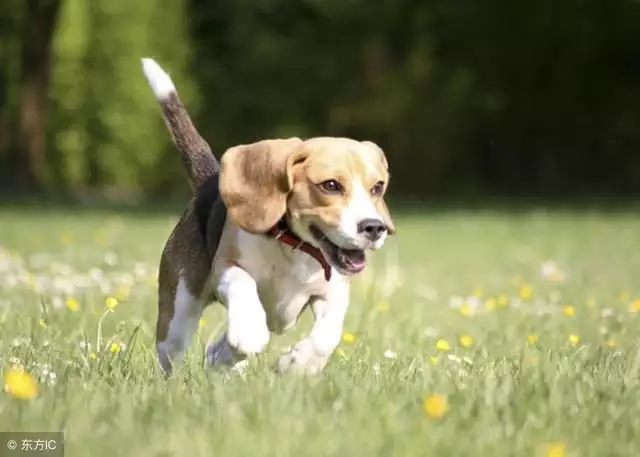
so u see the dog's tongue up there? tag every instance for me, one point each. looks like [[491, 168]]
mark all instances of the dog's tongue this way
[[353, 257]]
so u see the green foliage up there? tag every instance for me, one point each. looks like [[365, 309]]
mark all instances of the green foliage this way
[[107, 127]]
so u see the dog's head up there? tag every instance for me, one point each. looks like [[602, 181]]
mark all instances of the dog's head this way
[[330, 189]]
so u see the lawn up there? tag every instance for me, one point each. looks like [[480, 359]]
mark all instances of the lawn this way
[[473, 333]]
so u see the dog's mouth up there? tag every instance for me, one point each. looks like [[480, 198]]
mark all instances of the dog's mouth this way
[[349, 261]]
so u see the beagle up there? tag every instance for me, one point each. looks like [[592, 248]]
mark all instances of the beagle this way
[[276, 226]]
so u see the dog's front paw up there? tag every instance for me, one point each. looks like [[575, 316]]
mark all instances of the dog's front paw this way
[[248, 336], [302, 359]]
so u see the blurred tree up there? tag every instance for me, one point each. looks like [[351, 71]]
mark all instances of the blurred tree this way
[[39, 21]]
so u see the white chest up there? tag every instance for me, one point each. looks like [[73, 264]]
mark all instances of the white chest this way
[[286, 279]]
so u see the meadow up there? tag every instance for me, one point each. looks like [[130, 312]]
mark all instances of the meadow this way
[[472, 333]]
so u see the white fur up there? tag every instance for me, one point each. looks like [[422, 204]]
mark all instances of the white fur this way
[[159, 80], [360, 207], [247, 329], [266, 292], [186, 315]]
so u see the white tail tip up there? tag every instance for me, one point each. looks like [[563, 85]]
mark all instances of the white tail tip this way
[[159, 80]]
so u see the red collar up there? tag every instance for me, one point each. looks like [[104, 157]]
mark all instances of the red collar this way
[[283, 233]]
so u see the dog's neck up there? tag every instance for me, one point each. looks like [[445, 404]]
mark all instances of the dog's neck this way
[[282, 232]]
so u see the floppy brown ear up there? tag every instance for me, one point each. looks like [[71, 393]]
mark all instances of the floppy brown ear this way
[[255, 181], [381, 206]]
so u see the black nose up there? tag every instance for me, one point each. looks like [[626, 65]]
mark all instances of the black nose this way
[[372, 228]]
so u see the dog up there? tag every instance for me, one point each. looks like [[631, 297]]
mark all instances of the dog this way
[[273, 228]]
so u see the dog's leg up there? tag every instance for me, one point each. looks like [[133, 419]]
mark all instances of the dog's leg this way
[[178, 329], [311, 354], [247, 332]]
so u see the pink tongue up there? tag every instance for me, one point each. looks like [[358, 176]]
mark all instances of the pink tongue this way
[[355, 258]]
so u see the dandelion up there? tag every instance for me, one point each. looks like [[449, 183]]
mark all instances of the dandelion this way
[[532, 339], [556, 450], [111, 303], [503, 300], [43, 324], [574, 339], [93, 356], [490, 304], [612, 343], [114, 348], [443, 345], [20, 384], [634, 306], [348, 338], [433, 360], [466, 310], [569, 310], [525, 292], [435, 405], [72, 304], [466, 341]]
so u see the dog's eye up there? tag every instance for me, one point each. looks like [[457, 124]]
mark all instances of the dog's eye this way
[[331, 186], [377, 189]]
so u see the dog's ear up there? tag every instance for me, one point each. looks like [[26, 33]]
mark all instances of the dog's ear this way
[[380, 205], [255, 181]]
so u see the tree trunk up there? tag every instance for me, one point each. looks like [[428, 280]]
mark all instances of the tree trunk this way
[[5, 131], [38, 28]]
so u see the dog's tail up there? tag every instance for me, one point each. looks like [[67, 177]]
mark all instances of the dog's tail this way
[[197, 156]]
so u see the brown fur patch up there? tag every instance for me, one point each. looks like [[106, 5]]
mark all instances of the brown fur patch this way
[[184, 256]]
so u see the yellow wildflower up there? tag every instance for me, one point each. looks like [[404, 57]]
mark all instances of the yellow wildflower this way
[[348, 338], [466, 341], [490, 304], [569, 310], [72, 304], [503, 300], [556, 450], [532, 339], [111, 302], [525, 291], [20, 384], [466, 310], [114, 348], [634, 306], [43, 324], [93, 356], [433, 360], [443, 345], [611, 343], [574, 339], [435, 405]]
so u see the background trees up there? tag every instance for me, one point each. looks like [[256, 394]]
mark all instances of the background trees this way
[[494, 97]]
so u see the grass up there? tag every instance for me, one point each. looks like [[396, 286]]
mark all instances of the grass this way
[[478, 333]]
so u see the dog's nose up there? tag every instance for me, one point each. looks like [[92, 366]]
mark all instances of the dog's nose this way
[[372, 228]]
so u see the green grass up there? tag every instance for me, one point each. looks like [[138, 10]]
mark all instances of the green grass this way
[[506, 396]]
